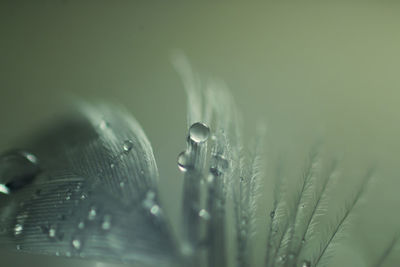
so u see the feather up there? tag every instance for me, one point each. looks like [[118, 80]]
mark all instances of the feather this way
[[88, 188], [95, 195]]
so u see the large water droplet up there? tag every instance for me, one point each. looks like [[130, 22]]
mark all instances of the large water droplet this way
[[127, 146], [17, 168], [183, 161], [199, 132]]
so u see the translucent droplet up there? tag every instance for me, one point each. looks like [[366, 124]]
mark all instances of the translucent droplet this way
[[92, 214], [272, 214], [199, 132], [103, 125], [112, 165], [30, 157], [52, 232], [81, 225], [183, 161], [219, 165], [76, 243], [4, 189], [121, 184], [18, 247], [128, 145], [106, 225], [204, 214], [18, 229], [155, 209], [306, 264], [18, 168]]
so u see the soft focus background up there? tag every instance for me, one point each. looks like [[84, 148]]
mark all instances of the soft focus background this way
[[306, 70]]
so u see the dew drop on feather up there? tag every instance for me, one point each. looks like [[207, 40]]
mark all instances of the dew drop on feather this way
[[199, 132], [183, 161], [127, 146]]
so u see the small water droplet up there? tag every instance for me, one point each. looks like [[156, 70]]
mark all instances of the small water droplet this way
[[272, 214], [52, 232], [83, 196], [18, 229], [128, 145], [103, 125], [4, 189], [121, 184], [92, 214], [306, 264], [219, 164], [18, 247], [18, 168], [199, 132], [57, 253], [81, 225], [155, 209], [112, 165], [205, 215], [76, 243], [106, 225], [183, 161]]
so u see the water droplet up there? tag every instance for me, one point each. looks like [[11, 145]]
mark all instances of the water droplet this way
[[121, 184], [76, 243], [83, 196], [18, 247], [4, 189], [155, 209], [112, 165], [183, 161], [199, 132], [81, 225], [92, 214], [30, 157], [219, 164], [106, 225], [103, 125], [52, 232], [18, 229], [272, 214], [128, 145], [17, 169], [306, 264], [204, 214]]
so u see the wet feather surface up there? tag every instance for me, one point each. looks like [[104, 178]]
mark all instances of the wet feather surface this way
[[88, 188]]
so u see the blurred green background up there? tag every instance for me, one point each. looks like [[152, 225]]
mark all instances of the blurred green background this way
[[306, 70]]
